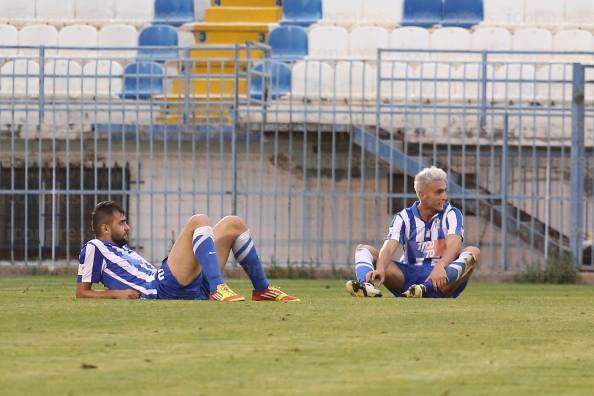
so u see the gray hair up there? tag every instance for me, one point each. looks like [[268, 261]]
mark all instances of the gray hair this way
[[426, 176]]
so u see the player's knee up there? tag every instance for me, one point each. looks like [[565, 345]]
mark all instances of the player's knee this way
[[476, 252], [374, 252], [234, 223], [198, 220]]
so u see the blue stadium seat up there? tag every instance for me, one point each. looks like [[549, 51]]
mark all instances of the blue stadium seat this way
[[174, 12], [301, 12], [462, 13], [143, 80], [157, 36], [280, 81], [424, 13], [288, 42]]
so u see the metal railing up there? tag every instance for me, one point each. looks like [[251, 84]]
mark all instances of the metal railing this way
[[314, 168]]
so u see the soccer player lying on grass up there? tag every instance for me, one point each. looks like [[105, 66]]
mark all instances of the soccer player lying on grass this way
[[431, 234], [191, 272]]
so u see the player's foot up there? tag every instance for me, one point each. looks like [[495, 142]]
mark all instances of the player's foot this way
[[224, 293], [415, 291], [273, 294], [362, 289]]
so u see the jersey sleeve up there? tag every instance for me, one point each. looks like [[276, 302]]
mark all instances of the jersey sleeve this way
[[90, 264], [454, 223], [396, 229]]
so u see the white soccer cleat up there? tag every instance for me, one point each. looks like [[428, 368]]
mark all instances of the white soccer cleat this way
[[362, 289], [415, 291]]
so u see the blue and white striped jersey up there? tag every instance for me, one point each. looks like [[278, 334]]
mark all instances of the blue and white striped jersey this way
[[117, 268], [424, 243]]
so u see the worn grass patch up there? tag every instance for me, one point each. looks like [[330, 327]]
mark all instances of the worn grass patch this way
[[495, 339]]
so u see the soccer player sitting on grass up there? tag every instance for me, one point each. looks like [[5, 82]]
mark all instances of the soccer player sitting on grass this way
[[431, 234], [191, 272]]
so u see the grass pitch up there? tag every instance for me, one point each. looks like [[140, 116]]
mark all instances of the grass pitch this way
[[495, 339]]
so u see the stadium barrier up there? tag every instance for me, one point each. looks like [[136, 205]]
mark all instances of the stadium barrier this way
[[317, 155]]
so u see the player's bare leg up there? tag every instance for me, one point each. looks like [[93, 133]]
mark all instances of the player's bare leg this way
[[193, 252], [182, 261]]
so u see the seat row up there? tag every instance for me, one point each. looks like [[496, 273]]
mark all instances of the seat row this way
[[362, 42], [98, 12], [427, 82], [86, 36], [68, 79], [426, 13]]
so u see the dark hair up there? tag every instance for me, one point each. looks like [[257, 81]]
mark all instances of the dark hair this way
[[103, 212]]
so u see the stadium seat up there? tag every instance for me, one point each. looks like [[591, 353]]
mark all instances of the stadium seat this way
[[579, 13], [355, 81], [280, 81], [424, 13], [468, 87], [543, 13], [396, 82], [514, 83], [504, 13], [94, 11], [450, 38], [462, 13], [77, 36], [382, 12], [20, 78], [174, 12], [157, 36], [491, 38], [9, 36], [328, 42], [312, 80], [117, 36], [342, 12], [142, 80], [134, 12], [288, 42], [365, 40], [532, 39], [17, 12], [37, 35], [55, 12], [409, 38], [186, 39], [574, 41], [301, 12], [63, 78], [102, 79]]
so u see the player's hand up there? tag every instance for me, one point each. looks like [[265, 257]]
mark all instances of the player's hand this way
[[438, 277], [376, 274], [126, 294]]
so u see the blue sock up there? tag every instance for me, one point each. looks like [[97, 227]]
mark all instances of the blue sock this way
[[206, 253], [363, 263], [247, 256]]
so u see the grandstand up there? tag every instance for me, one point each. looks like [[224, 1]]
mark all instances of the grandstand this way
[[293, 113]]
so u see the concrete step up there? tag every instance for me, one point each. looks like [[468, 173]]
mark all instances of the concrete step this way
[[243, 14]]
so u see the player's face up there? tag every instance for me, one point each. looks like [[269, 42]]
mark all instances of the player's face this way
[[435, 195], [119, 229]]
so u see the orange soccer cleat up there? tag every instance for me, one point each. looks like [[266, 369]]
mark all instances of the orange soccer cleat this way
[[273, 294], [224, 293]]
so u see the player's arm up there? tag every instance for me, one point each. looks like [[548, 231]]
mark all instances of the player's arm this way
[[85, 290], [384, 260], [452, 251]]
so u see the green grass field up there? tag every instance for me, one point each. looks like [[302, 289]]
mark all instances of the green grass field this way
[[496, 339]]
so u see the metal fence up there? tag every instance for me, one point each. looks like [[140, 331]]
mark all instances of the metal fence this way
[[316, 160]]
